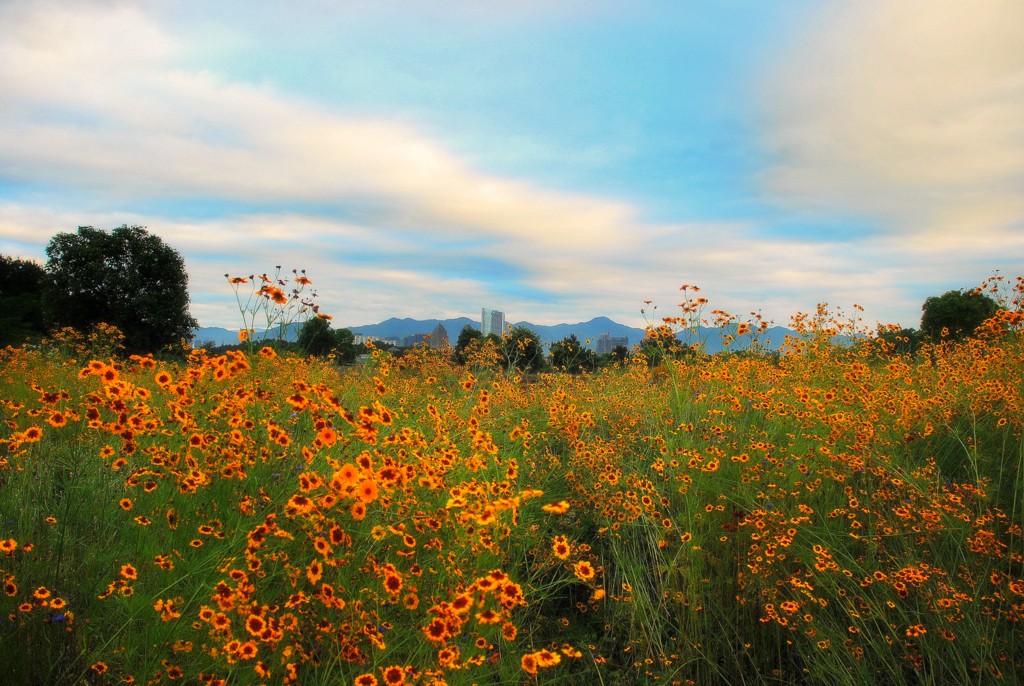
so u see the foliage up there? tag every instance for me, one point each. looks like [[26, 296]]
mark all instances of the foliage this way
[[345, 350], [467, 336], [570, 355], [128, 278], [316, 337], [956, 314], [521, 350], [21, 312], [891, 341], [827, 517]]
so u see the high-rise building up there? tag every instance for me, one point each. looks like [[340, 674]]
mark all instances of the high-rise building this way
[[438, 337], [607, 343], [492, 321]]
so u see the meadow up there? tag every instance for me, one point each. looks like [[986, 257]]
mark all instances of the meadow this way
[[833, 514]]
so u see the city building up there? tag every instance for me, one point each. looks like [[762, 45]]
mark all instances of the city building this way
[[414, 340], [379, 341], [438, 337], [607, 343], [492, 321]]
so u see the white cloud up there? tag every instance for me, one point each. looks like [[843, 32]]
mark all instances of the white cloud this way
[[98, 99], [911, 112], [102, 104]]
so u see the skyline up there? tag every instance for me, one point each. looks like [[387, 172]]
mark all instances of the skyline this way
[[559, 163]]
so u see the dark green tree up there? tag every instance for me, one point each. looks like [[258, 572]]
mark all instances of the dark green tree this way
[[661, 342], [466, 337], [345, 346], [521, 349], [128, 278], [956, 314], [316, 338], [570, 355], [898, 342], [21, 292]]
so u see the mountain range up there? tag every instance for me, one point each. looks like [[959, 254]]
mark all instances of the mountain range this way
[[586, 332]]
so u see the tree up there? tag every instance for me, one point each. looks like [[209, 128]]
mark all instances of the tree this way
[[521, 349], [345, 346], [317, 338], [21, 290], [661, 342], [466, 337], [956, 314], [128, 278], [570, 355], [898, 342]]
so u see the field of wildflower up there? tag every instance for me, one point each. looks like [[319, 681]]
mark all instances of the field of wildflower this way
[[832, 514]]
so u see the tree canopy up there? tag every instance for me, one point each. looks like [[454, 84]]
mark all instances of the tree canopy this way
[[317, 338], [21, 288], [569, 354], [128, 278], [521, 349], [956, 314]]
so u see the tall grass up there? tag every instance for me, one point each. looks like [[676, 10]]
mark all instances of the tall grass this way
[[834, 515]]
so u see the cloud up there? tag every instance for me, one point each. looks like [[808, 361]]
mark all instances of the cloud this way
[[103, 104], [908, 112], [105, 116]]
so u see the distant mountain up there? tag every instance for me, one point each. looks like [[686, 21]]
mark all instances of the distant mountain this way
[[400, 328], [215, 335], [586, 332]]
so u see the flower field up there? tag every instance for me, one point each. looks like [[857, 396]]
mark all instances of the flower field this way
[[834, 514]]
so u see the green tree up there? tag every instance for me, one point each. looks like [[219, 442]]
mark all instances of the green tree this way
[[569, 354], [21, 291], [956, 314], [898, 342], [466, 337], [316, 338], [661, 342], [345, 346], [128, 278], [521, 349]]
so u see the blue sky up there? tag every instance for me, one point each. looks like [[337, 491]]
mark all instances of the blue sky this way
[[555, 160]]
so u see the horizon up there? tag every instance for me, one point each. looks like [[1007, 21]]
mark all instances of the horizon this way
[[562, 160]]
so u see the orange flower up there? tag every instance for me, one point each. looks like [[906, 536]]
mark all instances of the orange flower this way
[[358, 512], [367, 491], [561, 507], [393, 583], [247, 650], [314, 572], [584, 570], [437, 630], [394, 675], [560, 547], [327, 435]]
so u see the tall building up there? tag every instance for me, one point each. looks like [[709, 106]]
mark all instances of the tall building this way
[[438, 337], [607, 343], [492, 321]]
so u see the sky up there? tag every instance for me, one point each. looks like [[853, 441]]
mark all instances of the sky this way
[[557, 161]]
